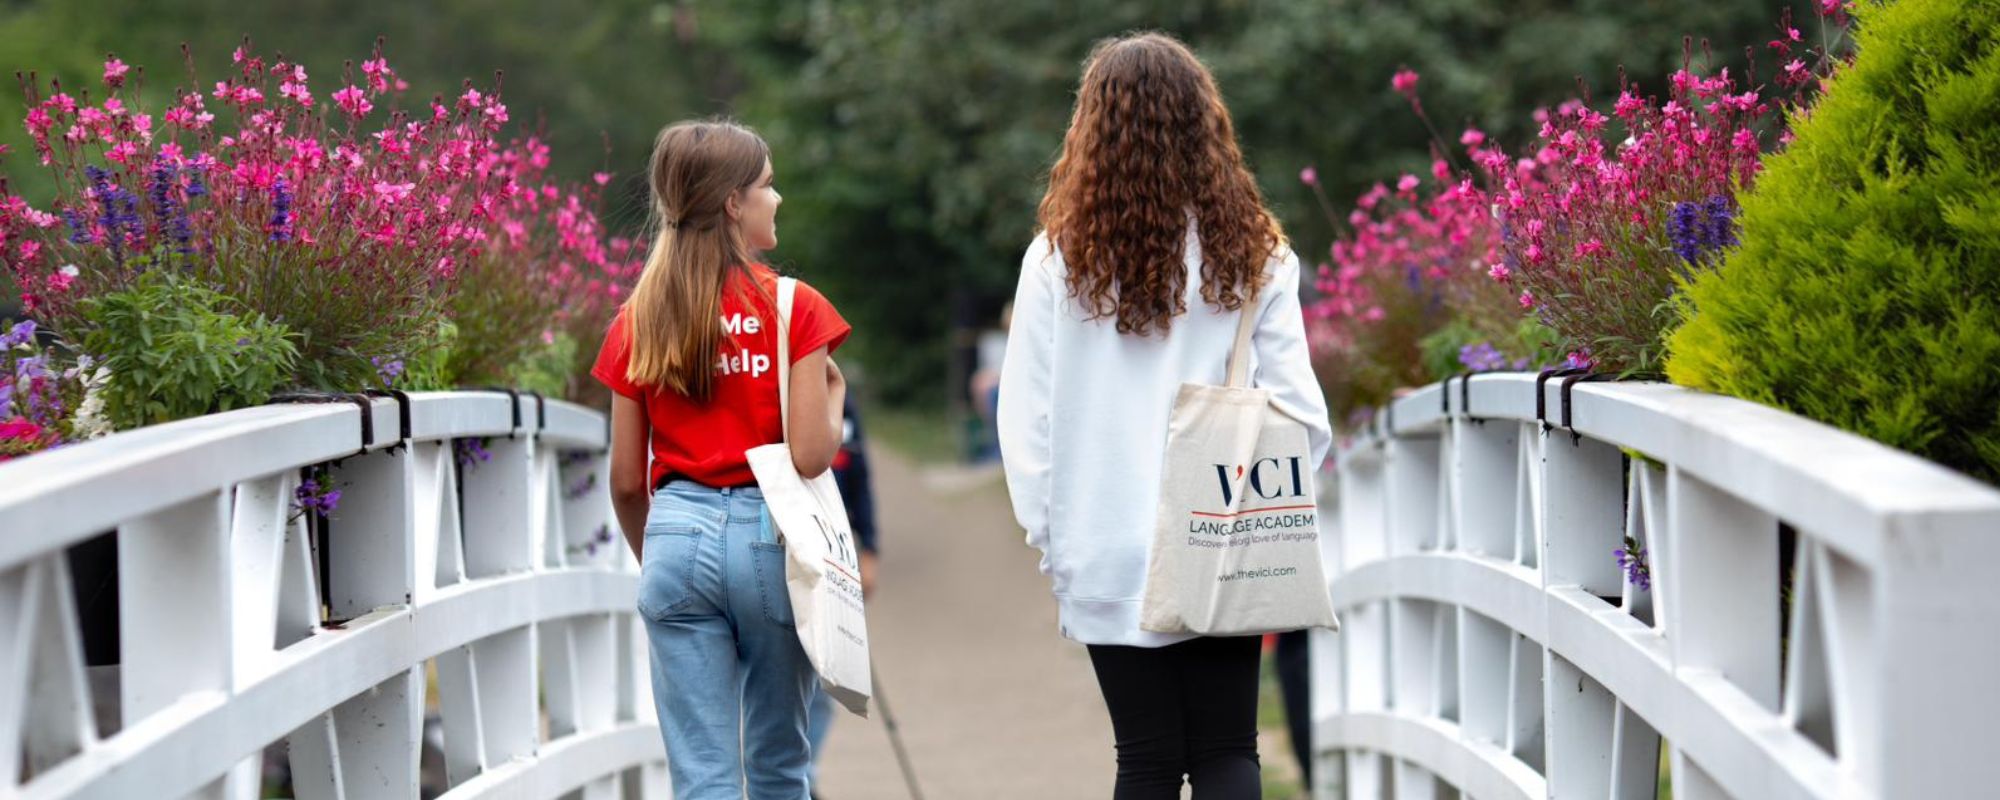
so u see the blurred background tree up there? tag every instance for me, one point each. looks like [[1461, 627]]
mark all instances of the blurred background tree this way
[[911, 137]]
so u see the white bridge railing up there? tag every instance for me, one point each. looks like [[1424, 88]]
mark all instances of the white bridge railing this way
[[1820, 621], [469, 629]]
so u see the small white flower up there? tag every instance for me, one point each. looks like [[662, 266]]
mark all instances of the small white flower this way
[[69, 270]]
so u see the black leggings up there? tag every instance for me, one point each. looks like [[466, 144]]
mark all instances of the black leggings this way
[[1186, 709]]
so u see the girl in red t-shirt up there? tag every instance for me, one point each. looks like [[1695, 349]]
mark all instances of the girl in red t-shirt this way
[[690, 358]]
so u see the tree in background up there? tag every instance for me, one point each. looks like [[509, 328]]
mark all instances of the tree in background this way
[[912, 137]]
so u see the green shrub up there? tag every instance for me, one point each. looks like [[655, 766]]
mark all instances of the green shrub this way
[[177, 349], [548, 368], [1866, 292]]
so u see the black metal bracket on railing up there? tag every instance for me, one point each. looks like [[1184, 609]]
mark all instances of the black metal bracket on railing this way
[[1542, 394], [366, 405], [541, 413], [514, 404], [402, 416], [1570, 381], [1464, 395]]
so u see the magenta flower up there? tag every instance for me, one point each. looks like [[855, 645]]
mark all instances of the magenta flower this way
[[353, 101], [1407, 183], [1405, 83], [1527, 298], [114, 73], [1472, 137], [1309, 176]]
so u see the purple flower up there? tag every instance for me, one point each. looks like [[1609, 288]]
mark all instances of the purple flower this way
[[1684, 231], [315, 495], [281, 211], [582, 487], [1699, 232], [1632, 559], [22, 333], [1721, 233], [470, 451], [387, 370], [1481, 357]]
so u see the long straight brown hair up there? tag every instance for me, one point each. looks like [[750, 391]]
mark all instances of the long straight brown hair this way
[[1150, 145], [676, 310]]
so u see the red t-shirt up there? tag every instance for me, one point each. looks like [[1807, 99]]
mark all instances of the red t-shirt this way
[[704, 443]]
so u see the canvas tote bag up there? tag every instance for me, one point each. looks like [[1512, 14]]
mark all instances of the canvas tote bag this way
[[1236, 543], [822, 566]]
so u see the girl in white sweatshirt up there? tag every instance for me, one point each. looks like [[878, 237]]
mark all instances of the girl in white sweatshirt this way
[[1154, 239]]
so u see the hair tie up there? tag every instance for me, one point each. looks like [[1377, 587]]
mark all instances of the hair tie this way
[[674, 224]]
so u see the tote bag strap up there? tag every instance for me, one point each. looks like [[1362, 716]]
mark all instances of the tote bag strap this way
[[1239, 353], [787, 288]]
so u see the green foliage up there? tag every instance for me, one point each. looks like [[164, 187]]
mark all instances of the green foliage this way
[[429, 369], [1866, 292], [177, 349], [550, 369], [494, 302]]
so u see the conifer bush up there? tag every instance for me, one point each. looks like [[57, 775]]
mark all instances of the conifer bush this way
[[1865, 292]]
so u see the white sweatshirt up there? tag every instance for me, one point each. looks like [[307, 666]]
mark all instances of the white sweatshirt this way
[[1083, 426]]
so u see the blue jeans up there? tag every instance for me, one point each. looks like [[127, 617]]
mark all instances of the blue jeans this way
[[730, 679], [819, 720]]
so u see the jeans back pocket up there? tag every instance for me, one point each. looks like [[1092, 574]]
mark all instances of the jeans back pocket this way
[[666, 574], [769, 559]]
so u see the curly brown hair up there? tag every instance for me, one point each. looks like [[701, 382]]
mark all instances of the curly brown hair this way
[[1150, 146]]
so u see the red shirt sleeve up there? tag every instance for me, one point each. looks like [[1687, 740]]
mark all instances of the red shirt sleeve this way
[[815, 323], [613, 357]]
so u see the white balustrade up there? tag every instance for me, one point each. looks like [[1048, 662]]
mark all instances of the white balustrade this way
[[483, 597], [1820, 620]]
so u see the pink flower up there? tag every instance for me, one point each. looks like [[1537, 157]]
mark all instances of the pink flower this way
[[602, 178], [1308, 176], [1405, 83], [1588, 248], [1441, 170], [378, 72], [114, 73], [20, 429], [353, 101], [1500, 272], [393, 193], [1792, 34], [1628, 105], [39, 122], [1795, 71], [1828, 8], [1527, 299], [123, 152], [1746, 141], [41, 219], [1472, 137], [297, 92], [1407, 184]]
